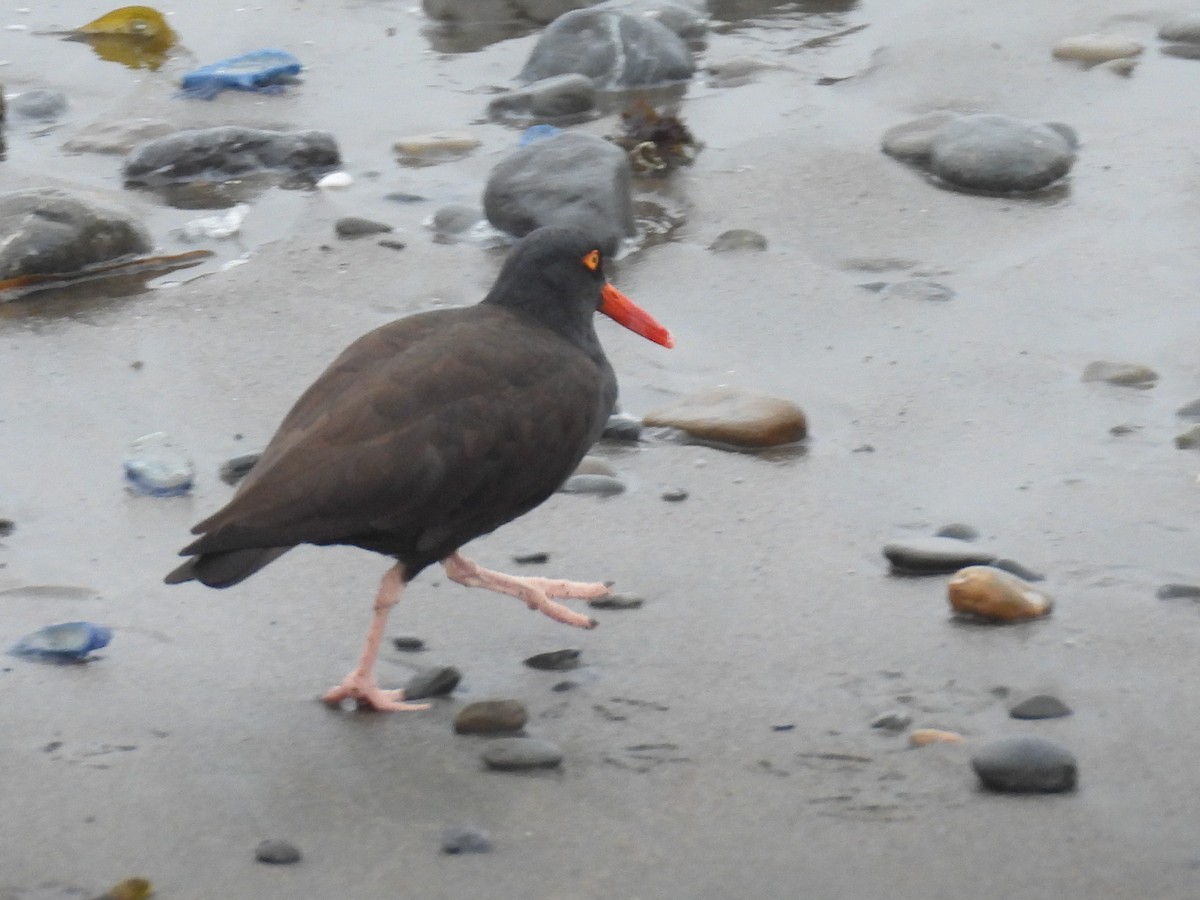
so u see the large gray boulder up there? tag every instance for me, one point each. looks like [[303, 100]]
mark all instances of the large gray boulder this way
[[567, 179]]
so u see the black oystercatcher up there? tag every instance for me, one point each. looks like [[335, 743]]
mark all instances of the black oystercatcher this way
[[432, 431]]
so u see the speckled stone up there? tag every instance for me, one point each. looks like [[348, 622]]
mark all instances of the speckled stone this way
[[491, 717], [519, 754], [1025, 764]]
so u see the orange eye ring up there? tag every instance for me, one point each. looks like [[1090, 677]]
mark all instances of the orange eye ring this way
[[592, 260]]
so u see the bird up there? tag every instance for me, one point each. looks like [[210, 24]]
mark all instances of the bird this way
[[431, 431]]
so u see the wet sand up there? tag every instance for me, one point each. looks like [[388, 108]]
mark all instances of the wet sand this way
[[768, 602]]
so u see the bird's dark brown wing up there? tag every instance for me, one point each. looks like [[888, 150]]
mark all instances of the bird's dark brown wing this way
[[422, 435]]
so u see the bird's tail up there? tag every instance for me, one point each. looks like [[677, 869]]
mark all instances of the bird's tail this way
[[225, 569]]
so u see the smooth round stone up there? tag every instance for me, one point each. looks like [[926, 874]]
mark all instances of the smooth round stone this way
[[532, 558], [356, 226], [913, 141], [555, 660], [990, 152], [38, 104], [623, 427], [738, 239], [1178, 592], [432, 682], [1184, 28], [279, 853], [892, 721], [556, 97], [7, 527], [408, 643], [1189, 411], [1040, 706], [994, 594], [604, 485], [1092, 49], [490, 717], [616, 601], [456, 218], [520, 754], [1025, 764], [675, 495], [934, 555], [734, 417], [1124, 374], [234, 470], [1188, 440], [465, 839], [959, 531]]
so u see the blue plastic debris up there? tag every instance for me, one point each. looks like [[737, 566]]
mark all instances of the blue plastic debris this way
[[266, 71], [64, 642], [537, 133]]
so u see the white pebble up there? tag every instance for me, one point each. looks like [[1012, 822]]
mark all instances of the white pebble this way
[[336, 180]]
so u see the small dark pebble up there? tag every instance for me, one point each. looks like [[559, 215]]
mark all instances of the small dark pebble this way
[[562, 686], [616, 601], [1025, 764], [517, 754], [7, 527], [1012, 567], [1122, 430], [389, 244], [958, 531], [234, 470], [933, 555], [1189, 411], [490, 717], [603, 485], [465, 839], [436, 682], [355, 226], [52, 746], [1040, 706], [675, 495], [1178, 592], [623, 427], [534, 558], [279, 853], [555, 660], [892, 721], [408, 642], [787, 727], [401, 197]]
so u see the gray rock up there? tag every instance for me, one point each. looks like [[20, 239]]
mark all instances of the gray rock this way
[[519, 754], [990, 152], [1189, 411], [1040, 706], [1025, 764], [687, 18], [43, 106], [1012, 567], [917, 289], [279, 853], [675, 495], [49, 231], [356, 226], [738, 239], [465, 839], [468, 13], [1178, 592], [892, 721], [1189, 439], [555, 660], [7, 527], [594, 465], [432, 682], [1093, 49], [567, 179], [532, 558], [958, 531], [913, 141], [623, 427], [934, 555], [119, 137], [550, 99], [228, 151], [408, 643], [1184, 28], [614, 48], [490, 717], [456, 218], [1124, 374], [735, 418], [234, 470], [616, 601], [604, 485]]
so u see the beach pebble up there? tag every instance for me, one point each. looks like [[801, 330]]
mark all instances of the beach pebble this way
[[234, 470], [465, 839], [924, 736], [994, 594], [434, 148], [7, 527], [674, 495], [518, 754], [1025, 764], [335, 181], [490, 717], [1092, 49], [623, 427], [991, 152], [913, 141], [531, 558], [548, 99], [1178, 592], [738, 239], [1189, 411], [565, 179], [44, 106], [958, 531], [594, 465], [228, 151], [1040, 706], [1125, 374], [603, 485], [280, 853], [1189, 439], [933, 555], [456, 218], [614, 48], [1184, 28], [432, 682], [892, 721], [734, 417], [118, 137], [616, 601], [555, 660], [356, 226], [408, 643]]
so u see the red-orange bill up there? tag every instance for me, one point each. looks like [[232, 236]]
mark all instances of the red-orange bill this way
[[625, 312]]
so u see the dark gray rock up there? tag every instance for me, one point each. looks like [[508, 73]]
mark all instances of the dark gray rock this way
[[7, 527], [1189, 411], [408, 643], [1040, 706], [1025, 764], [675, 495], [44, 106], [1183, 28], [228, 151], [990, 152], [491, 717], [234, 470], [519, 754], [1123, 374], [49, 231], [958, 531], [738, 239], [533, 558], [465, 839], [567, 179], [614, 48], [1178, 592], [687, 18], [279, 853], [1188, 440], [623, 427], [892, 721], [456, 218], [616, 601], [913, 141], [356, 226], [603, 485], [432, 682], [469, 13], [933, 555], [555, 660], [550, 99]]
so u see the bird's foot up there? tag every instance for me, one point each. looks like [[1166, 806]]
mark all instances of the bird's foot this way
[[364, 690], [537, 593]]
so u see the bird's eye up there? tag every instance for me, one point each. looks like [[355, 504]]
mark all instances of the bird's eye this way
[[592, 260]]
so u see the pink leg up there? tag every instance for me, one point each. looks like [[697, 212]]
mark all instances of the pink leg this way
[[536, 592], [360, 684]]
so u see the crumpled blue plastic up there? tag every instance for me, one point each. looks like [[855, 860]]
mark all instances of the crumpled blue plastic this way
[[64, 642], [266, 71]]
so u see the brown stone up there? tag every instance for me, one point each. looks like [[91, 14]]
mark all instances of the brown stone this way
[[490, 717], [995, 594], [923, 736], [731, 416]]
